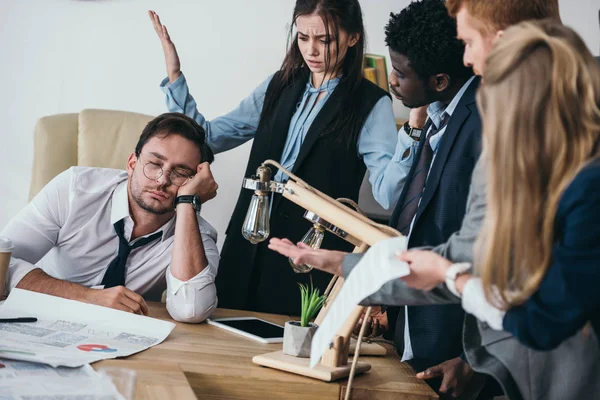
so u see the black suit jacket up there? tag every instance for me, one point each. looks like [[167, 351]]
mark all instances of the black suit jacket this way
[[436, 330]]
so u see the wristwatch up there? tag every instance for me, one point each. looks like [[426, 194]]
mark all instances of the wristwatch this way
[[194, 200], [414, 133], [454, 272]]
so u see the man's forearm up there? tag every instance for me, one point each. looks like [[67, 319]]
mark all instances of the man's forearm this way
[[39, 281], [118, 297], [188, 258]]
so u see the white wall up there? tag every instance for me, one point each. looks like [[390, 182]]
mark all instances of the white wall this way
[[60, 56]]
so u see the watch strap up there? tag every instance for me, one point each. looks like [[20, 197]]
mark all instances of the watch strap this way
[[194, 200], [414, 133], [453, 272]]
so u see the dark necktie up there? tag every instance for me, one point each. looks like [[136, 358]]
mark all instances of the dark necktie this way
[[417, 184], [115, 273]]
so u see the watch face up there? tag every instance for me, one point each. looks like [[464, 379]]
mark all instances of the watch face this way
[[197, 203], [416, 133]]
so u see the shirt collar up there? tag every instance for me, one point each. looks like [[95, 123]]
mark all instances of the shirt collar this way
[[326, 86], [452, 106], [120, 203], [437, 109], [120, 210]]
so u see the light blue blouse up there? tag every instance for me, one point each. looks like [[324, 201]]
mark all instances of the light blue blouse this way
[[380, 145]]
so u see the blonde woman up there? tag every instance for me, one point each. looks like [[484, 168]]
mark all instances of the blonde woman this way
[[538, 256]]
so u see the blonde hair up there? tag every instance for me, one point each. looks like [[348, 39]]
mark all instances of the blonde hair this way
[[541, 125], [495, 15]]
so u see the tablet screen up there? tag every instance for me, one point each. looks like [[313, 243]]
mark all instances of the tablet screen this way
[[255, 327]]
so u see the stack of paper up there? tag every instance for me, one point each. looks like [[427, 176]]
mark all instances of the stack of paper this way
[[70, 333], [21, 380], [378, 266]]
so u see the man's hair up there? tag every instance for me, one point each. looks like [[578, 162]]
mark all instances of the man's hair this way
[[500, 14], [176, 124], [426, 35]]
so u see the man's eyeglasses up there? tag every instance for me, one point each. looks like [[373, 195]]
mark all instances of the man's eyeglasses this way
[[154, 171]]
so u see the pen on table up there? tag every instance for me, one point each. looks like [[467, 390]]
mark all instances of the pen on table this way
[[19, 319]]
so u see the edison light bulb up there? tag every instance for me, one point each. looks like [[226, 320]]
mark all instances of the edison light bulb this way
[[256, 224], [313, 238]]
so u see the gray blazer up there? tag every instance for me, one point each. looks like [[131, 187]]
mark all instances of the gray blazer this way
[[571, 371]]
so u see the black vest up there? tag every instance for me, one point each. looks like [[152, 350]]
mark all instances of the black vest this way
[[252, 277]]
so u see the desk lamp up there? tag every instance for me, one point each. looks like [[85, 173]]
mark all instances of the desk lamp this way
[[326, 214]]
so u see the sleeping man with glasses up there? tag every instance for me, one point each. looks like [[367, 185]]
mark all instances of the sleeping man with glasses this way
[[115, 238]]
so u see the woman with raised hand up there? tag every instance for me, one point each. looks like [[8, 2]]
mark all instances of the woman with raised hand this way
[[320, 119]]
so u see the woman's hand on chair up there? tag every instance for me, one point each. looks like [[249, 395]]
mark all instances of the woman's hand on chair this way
[[171, 57]]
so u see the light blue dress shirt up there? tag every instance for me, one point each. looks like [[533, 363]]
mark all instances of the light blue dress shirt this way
[[435, 112], [380, 145]]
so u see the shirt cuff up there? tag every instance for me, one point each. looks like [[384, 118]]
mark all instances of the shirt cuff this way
[[193, 300], [474, 302], [406, 148], [203, 278], [17, 269], [350, 261], [167, 86]]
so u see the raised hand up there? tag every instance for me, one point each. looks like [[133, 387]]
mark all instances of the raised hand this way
[[171, 57]]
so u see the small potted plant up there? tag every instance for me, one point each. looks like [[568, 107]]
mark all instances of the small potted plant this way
[[297, 335]]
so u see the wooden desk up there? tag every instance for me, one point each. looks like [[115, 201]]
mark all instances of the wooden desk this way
[[218, 365], [155, 381]]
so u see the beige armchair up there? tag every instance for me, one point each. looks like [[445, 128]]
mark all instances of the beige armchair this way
[[95, 138]]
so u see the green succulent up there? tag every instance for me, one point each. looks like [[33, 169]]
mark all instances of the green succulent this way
[[312, 302]]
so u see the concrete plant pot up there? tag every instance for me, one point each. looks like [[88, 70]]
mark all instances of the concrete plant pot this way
[[297, 339]]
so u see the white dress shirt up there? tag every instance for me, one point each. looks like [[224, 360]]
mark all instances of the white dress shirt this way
[[475, 303], [67, 231]]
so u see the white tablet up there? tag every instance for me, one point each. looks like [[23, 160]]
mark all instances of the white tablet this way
[[251, 327]]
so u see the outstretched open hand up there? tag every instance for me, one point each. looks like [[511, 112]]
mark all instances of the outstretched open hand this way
[[325, 260]]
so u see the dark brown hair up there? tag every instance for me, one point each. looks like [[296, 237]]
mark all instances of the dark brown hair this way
[[336, 15], [176, 124]]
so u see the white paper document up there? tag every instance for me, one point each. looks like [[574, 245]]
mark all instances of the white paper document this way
[[378, 266], [70, 333], [22, 380]]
